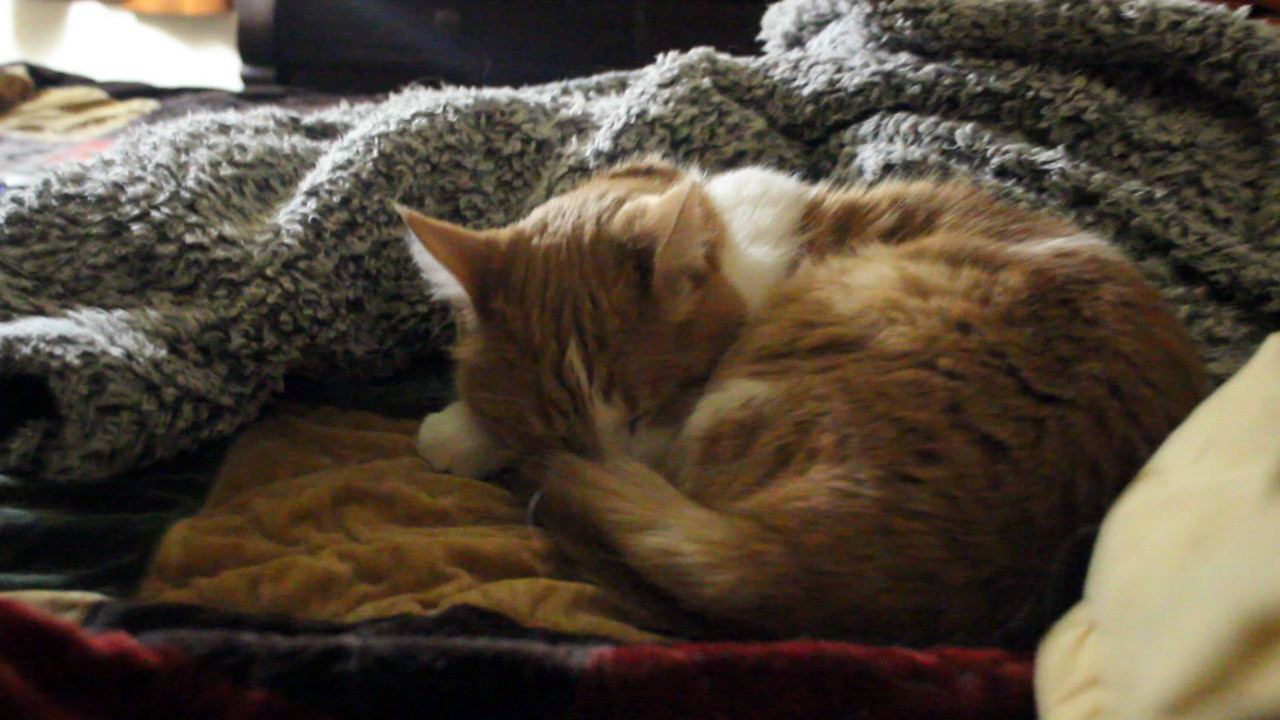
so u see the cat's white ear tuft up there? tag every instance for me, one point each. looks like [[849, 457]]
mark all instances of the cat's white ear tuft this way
[[450, 257]]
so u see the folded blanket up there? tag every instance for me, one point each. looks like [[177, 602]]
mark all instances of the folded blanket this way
[[329, 515], [166, 661], [155, 296]]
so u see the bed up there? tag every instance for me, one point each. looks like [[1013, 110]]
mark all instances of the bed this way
[[214, 351]]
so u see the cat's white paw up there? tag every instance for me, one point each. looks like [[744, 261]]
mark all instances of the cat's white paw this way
[[452, 442]]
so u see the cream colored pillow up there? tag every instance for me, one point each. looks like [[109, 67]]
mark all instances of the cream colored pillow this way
[[1181, 609]]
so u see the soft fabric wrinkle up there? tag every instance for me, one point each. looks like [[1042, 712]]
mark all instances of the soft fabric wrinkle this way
[[327, 514]]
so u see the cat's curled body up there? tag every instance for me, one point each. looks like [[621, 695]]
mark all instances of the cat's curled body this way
[[868, 412]]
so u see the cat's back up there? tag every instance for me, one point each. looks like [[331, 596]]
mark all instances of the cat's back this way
[[955, 397], [1009, 346]]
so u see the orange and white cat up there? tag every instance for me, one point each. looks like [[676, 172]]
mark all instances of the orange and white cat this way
[[792, 409]]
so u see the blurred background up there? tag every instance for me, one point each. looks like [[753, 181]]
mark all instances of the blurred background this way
[[74, 74], [362, 46], [168, 43]]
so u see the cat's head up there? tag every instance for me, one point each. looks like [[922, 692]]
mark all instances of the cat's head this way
[[592, 324]]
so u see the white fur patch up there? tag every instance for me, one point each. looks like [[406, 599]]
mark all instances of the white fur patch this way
[[1079, 241], [577, 368], [452, 442], [732, 395], [762, 210]]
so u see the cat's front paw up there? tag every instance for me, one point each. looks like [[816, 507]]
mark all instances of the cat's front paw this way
[[452, 442]]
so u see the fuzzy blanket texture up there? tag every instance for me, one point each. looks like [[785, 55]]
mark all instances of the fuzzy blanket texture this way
[[156, 296]]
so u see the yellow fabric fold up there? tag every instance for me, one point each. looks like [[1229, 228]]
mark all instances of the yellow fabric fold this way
[[328, 514], [1181, 609]]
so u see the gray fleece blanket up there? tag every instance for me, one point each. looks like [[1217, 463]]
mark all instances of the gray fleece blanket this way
[[155, 297]]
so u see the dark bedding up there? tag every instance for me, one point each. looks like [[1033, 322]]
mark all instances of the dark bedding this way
[[187, 662]]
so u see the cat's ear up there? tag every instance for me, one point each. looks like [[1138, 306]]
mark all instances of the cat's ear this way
[[681, 217], [451, 257]]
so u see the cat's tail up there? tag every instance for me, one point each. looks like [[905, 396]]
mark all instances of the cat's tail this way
[[712, 564]]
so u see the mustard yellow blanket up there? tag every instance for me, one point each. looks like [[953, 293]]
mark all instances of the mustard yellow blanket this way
[[329, 514]]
